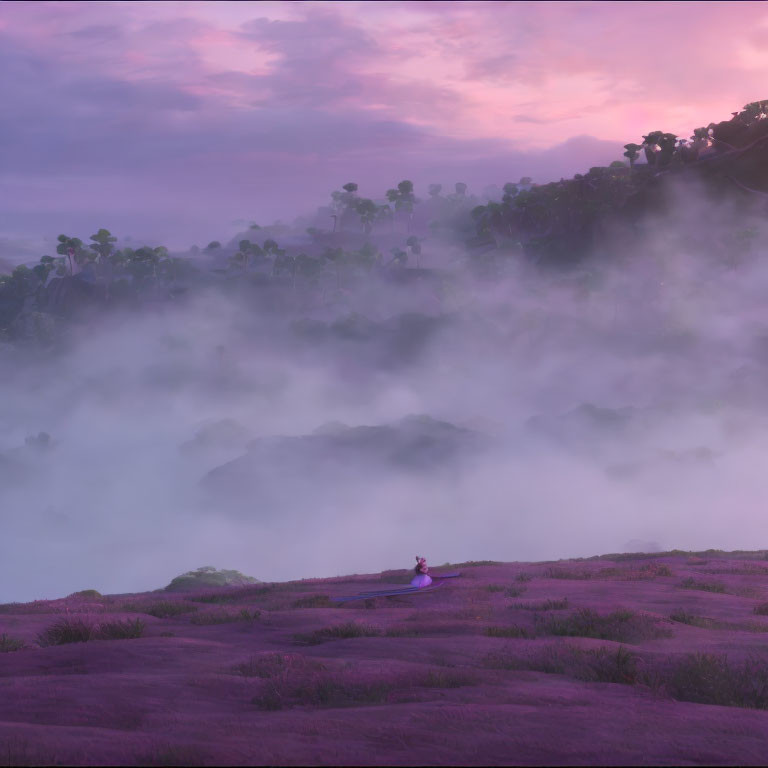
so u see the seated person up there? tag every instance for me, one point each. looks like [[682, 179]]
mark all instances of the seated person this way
[[421, 579]]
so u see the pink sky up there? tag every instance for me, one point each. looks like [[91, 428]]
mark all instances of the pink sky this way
[[176, 115]]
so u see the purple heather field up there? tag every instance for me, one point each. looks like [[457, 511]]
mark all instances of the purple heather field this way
[[628, 660], [306, 289]]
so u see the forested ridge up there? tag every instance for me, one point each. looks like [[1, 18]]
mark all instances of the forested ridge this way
[[559, 225]]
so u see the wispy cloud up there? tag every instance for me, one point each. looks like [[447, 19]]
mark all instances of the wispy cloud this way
[[162, 93]]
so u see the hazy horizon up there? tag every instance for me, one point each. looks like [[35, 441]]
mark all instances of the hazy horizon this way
[[167, 122]]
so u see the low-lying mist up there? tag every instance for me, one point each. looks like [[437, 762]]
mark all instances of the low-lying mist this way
[[536, 416]]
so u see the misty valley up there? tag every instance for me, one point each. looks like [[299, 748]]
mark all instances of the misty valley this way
[[366, 400], [542, 371]]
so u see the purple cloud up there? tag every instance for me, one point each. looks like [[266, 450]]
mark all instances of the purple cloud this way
[[215, 115]]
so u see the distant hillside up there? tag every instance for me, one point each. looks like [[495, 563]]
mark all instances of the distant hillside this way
[[562, 222], [357, 241]]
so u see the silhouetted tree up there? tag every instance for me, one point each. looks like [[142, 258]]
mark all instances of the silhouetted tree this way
[[460, 191], [509, 190], [415, 245], [367, 211], [307, 267], [399, 256], [72, 249], [344, 203], [699, 141], [247, 252], [47, 265], [633, 152], [755, 110], [651, 146], [272, 250], [102, 244], [403, 199], [666, 142], [385, 215], [103, 248], [142, 264]]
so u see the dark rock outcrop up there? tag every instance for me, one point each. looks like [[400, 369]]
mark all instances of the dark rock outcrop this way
[[335, 451], [207, 577]]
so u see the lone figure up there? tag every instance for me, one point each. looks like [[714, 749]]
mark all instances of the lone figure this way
[[422, 578]]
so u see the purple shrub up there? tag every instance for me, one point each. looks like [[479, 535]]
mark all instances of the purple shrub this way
[[206, 619], [712, 586], [512, 631], [608, 665], [120, 630], [275, 664], [164, 609], [444, 678], [596, 665], [173, 754], [337, 632], [567, 573], [621, 626], [705, 678], [67, 630], [403, 632], [10, 644], [313, 601], [343, 688], [77, 630], [547, 605], [709, 678], [320, 689]]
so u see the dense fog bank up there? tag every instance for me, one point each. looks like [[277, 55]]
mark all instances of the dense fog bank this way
[[533, 415]]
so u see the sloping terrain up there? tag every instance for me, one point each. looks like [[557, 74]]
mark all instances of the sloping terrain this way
[[626, 659]]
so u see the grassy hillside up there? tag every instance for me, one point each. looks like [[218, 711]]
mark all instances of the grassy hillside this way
[[630, 660]]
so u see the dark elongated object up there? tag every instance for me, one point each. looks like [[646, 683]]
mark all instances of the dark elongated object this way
[[395, 592], [392, 593]]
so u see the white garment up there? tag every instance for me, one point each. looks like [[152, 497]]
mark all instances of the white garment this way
[[422, 580]]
